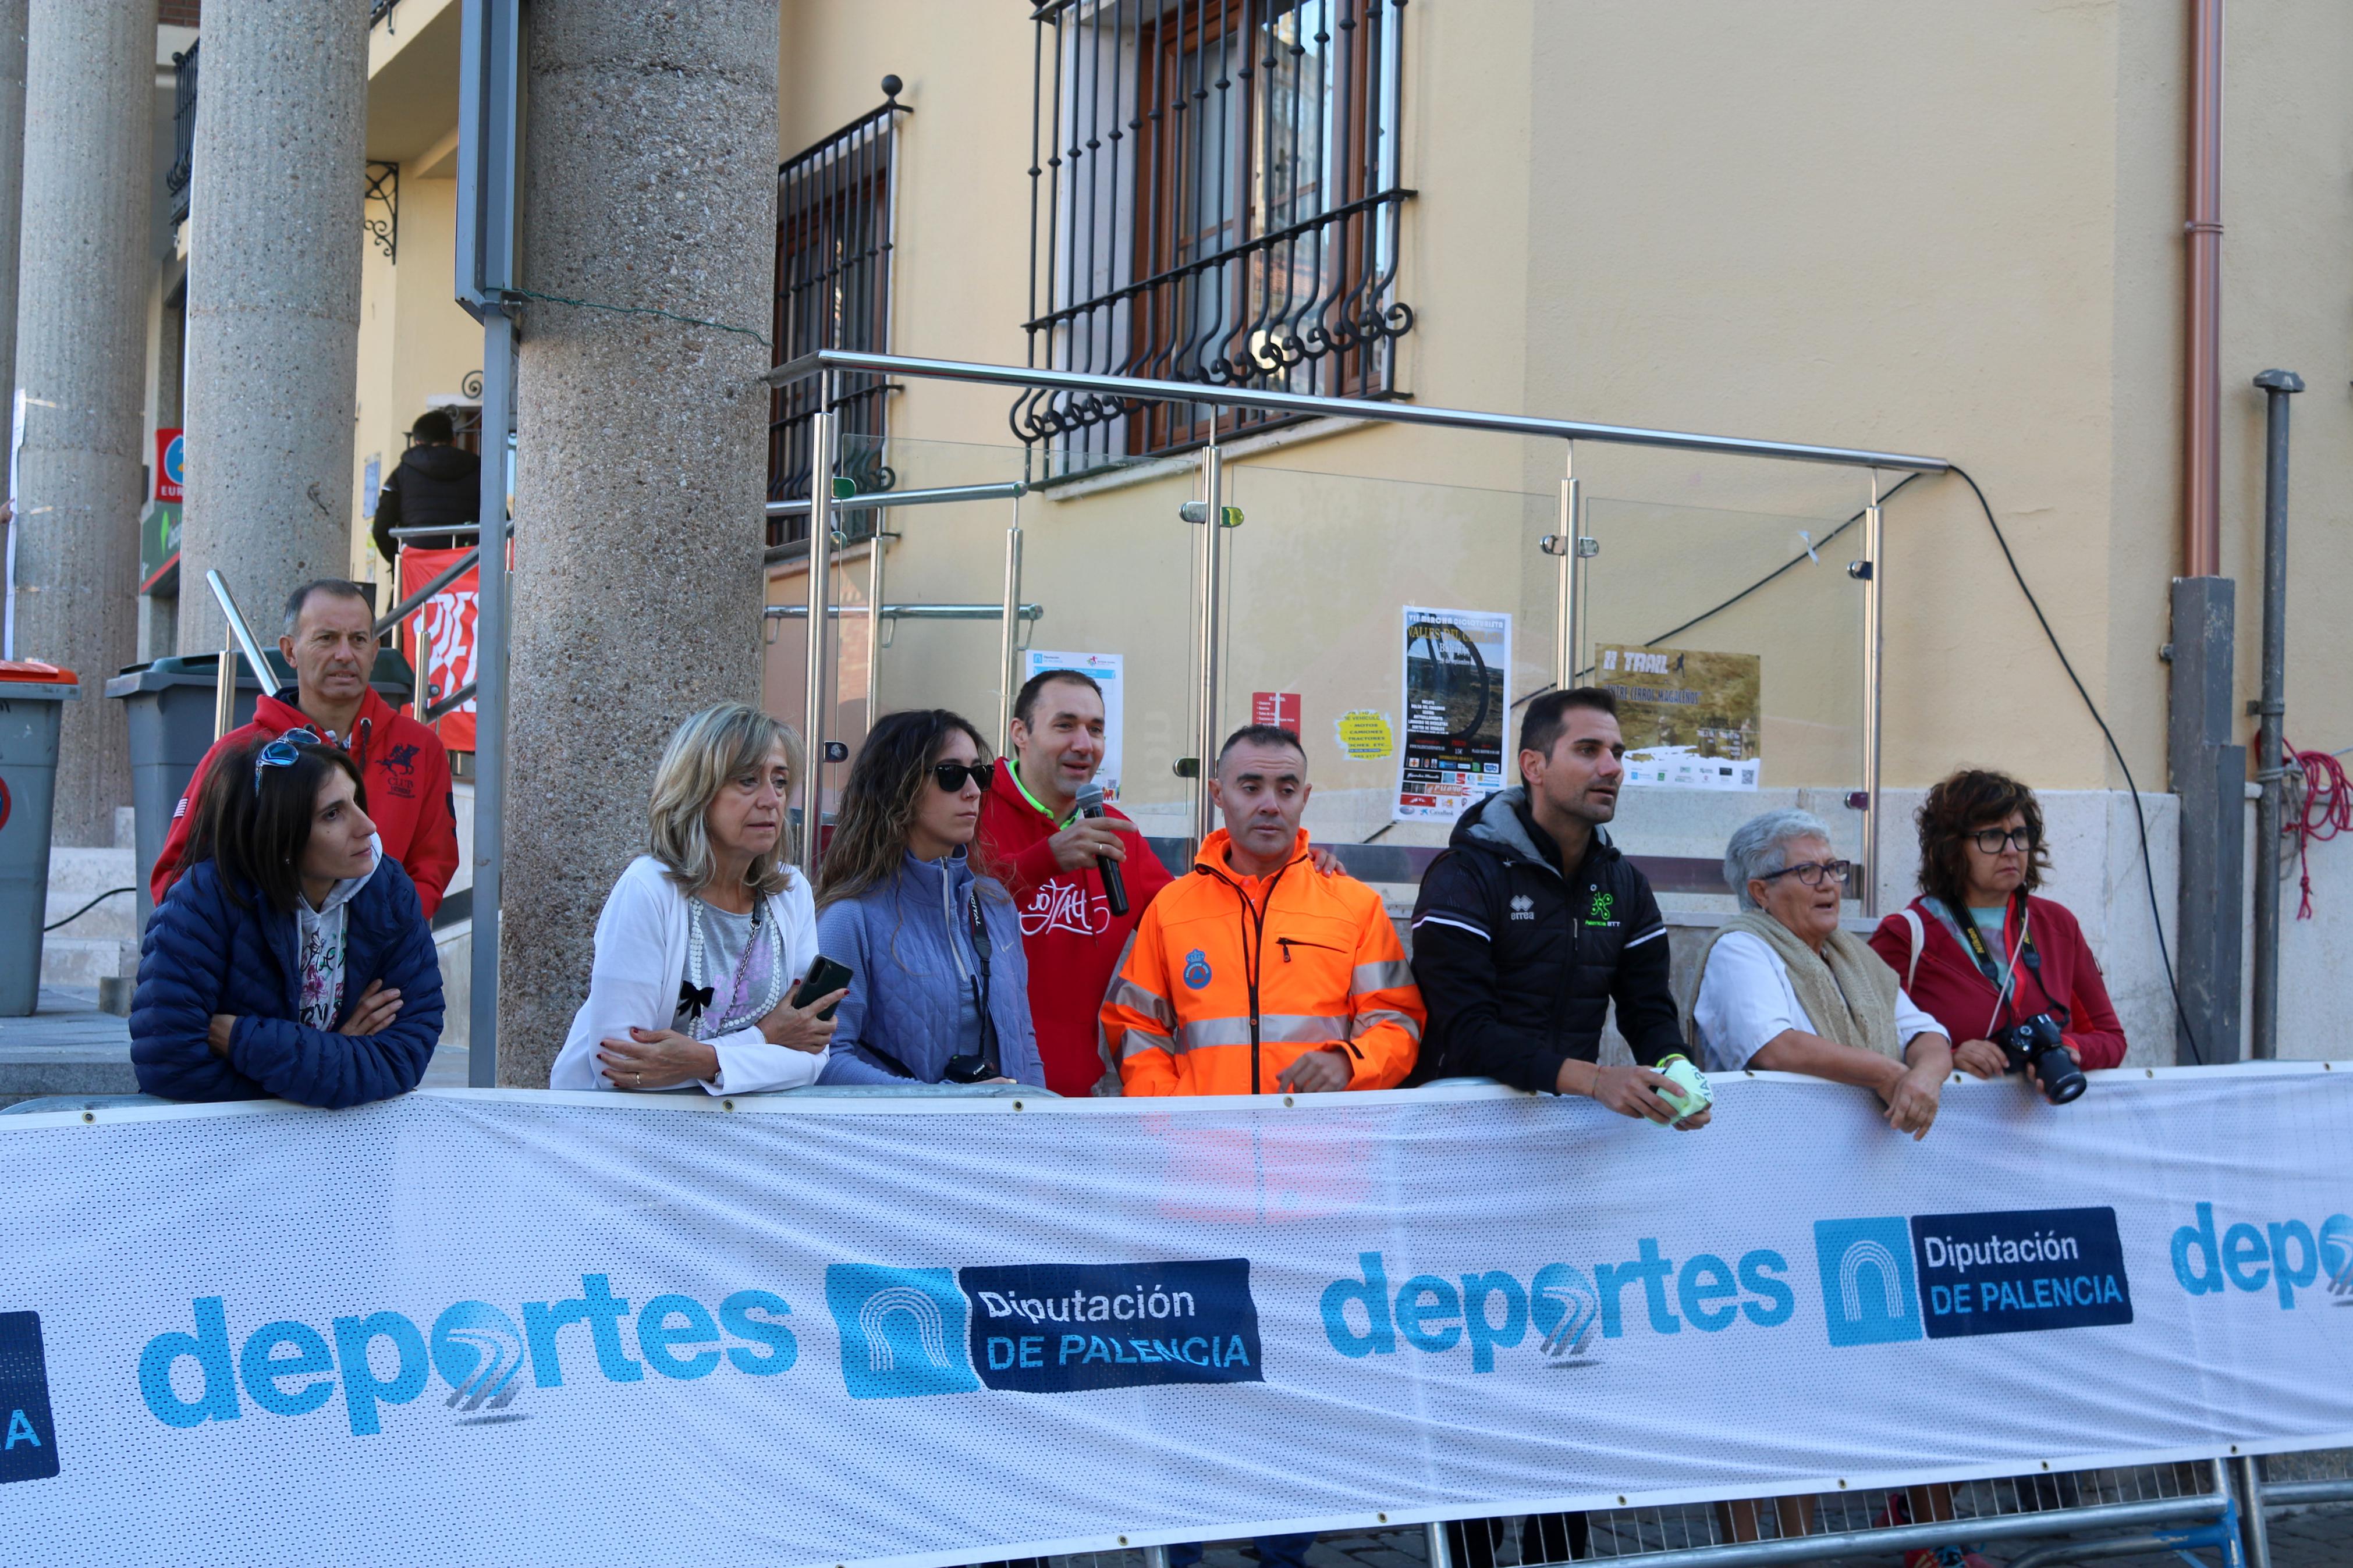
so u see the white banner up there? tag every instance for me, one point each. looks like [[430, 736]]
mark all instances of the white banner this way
[[473, 1326]]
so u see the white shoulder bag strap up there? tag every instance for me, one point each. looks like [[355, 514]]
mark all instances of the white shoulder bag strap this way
[[1919, 940]]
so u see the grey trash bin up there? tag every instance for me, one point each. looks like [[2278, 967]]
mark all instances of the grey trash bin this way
[[32, 700], [169, 704]]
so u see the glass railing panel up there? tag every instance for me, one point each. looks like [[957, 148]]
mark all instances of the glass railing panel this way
[[1734, 641]]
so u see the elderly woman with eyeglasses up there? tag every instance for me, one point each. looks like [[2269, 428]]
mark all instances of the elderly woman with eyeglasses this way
[[1783, 988], [1979, 951]]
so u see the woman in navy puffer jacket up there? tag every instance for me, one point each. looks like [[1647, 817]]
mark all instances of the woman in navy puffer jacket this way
[[292, 960]]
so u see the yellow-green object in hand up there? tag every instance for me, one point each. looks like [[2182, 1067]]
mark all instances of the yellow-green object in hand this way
[[1690, 1093]]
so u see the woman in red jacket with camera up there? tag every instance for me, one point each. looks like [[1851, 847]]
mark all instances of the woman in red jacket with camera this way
[[1981, 954]]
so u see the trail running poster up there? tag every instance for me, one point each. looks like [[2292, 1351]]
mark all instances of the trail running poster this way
[[1690, 719]]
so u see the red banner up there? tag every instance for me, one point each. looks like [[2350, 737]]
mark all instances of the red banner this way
[[441, 638]]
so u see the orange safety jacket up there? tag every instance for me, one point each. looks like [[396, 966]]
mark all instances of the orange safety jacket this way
[[1229, 978]]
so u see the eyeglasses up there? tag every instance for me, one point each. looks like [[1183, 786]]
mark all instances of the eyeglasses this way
[[1812, 872], [1994, 840], [950, 776], [282, 753]]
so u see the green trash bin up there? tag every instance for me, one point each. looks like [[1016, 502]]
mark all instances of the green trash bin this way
[[32, 700], [169, 704]]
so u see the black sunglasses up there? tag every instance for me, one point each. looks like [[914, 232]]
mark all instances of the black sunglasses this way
[[950, 776], [282, 753]]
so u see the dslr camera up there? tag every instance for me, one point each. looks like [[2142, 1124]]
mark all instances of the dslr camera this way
[[2034, 1043]]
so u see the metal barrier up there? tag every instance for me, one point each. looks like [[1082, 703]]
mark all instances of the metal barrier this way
[[2172, 1508]]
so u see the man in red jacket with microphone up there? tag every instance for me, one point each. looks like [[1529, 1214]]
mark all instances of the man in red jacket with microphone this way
[[1048, 856], [330, 639]]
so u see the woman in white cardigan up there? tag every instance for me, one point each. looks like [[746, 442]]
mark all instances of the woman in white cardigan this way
[[703, 941]]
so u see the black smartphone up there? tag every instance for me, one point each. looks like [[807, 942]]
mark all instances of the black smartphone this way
[[824, 976]]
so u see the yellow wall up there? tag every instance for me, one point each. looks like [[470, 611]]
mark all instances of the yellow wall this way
[[1954, 230]]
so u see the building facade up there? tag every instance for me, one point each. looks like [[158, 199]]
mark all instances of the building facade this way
[[1957, 232]]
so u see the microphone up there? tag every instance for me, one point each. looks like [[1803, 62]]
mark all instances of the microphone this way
[[1090, 803]]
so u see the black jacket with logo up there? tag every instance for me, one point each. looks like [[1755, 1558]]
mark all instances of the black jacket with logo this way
[[1518, 964]]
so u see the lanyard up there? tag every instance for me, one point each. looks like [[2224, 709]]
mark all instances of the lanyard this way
[[1975, 939]]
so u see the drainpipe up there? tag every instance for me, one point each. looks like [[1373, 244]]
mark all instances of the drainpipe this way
[[2278, 386], [2202, 512], [2207, 772]]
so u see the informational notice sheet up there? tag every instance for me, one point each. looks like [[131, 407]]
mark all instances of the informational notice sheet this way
[[1690, 719], [1458, 707], [1105, 670]]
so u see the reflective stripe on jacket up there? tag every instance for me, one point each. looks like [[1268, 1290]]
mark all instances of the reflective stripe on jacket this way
[[1229, 978]]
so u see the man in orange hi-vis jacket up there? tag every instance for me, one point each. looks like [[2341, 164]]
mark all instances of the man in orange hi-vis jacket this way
[[1254, 975]]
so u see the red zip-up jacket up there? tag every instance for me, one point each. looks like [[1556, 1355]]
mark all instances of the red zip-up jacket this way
[[1068, 933], [1950, 987], [407, 770]]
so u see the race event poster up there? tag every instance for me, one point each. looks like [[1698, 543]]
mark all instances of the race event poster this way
[[1458, 704], [1690, 719]]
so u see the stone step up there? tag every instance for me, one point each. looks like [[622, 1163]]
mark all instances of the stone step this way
[[90, 871], [86, 961]]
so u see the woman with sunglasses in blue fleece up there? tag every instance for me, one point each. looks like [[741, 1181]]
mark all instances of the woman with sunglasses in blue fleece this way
[[292, 960]]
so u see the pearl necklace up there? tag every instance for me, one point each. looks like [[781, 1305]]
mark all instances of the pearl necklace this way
[[768, 931]]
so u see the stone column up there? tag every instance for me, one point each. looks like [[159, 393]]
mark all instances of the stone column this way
[[11, 174], [82, 350], [279, 166], [650, 181]]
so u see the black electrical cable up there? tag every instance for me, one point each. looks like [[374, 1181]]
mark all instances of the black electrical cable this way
[[2148, 872], [1807, 554], [85, 909]]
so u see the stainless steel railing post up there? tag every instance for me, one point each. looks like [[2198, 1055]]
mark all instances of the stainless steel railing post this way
[[1874, 564], [1010, 639], [1212, 572], [822, 456]]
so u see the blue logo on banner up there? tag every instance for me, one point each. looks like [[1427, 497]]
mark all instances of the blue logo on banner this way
[[478, 1352], [2032, 1269], [903, 1330], [1055, 1328], [1868, 1294], [28, 1441]]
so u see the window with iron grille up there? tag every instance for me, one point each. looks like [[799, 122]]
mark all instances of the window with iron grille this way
[[833, 291], [1215, 197]]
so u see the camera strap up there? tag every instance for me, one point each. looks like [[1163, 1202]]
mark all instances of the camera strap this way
[[988, 1050], [1965, 926]]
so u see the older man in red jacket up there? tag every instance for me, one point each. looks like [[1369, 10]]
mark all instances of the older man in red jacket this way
[[330, 639]]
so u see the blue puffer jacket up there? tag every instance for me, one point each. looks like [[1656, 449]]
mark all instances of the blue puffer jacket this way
[[908, 985], [207, 952]]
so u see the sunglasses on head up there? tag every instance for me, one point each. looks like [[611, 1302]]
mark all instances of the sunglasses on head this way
[[950, 776], [282, 753]]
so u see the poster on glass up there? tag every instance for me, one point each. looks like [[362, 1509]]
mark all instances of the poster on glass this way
[[1458, 708]]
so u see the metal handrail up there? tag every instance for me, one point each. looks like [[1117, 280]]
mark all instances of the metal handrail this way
[[906, 611], [244, 633], [417, 601], [1004, 491], [451, 703], [1143, 389], [446, 531]]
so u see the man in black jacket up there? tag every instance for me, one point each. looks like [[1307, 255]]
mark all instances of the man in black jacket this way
[[437, 485], [1531, 923]]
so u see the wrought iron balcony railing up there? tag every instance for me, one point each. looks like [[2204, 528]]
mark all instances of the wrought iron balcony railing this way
[[1215, 197], [184, 130]]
